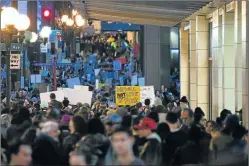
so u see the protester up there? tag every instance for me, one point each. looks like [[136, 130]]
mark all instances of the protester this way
[[20, 153], [151, 151]]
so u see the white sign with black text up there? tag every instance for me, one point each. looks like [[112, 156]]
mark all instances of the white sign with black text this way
[[14, 61]]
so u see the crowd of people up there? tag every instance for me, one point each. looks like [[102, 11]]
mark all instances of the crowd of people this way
[[106, 134]]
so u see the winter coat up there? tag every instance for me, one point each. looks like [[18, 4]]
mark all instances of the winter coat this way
[[46, 151], [17, 130], [189, 153], [68, 145], [151, 151]]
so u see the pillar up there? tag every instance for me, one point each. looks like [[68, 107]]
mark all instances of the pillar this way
[[184, 67], [217, 65], [238, 56], [228, 53], [193, 73], [156, 55], [202, 58], [245, 58]]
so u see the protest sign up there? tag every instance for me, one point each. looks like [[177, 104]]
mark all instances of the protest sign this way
[[73, 81], [45, 97], [117, 65], [85, 88], [141, 81], [147, 92], [127, 95], [78, 95], [134, 80]]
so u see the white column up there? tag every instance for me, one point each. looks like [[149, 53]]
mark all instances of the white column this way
[[245, 56], [238, 56], [217, 65], [228, 53], [202, 58], [193, 73], [184, 67]]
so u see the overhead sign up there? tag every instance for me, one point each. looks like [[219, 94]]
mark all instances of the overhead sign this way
[[16, 47], [14, 61], [127, 95]]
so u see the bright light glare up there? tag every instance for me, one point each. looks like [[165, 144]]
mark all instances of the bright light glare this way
[[74, 12], [64, 18], [46, 13], [9, 16], [22, 22], [70, 22], [79, 21], [34, 37], [45, 32]]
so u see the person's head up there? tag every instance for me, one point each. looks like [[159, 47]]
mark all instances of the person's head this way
[[154, 115], [51, 129], [224, 113], [65, 103], [112, 122], [172, 120], [103, 103], [95, 126], [215, 131], [122, 141], [160, 109], [5, 111], [199, 119], [198, 110], [20, 152], [24, 113], [187, 116], [53, 114], [147, 102], [139, 105], [78, 125], [158, 93], [209, 126], [231, 122], [77, 159], [52, 96], [145, 127]]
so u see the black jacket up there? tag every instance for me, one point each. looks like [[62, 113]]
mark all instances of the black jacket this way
[[187, 154], [151, 151], [68, 145], [17, 130], [174, 140], [46, 151]]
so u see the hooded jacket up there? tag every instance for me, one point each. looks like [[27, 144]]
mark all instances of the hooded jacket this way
[[151, 151]]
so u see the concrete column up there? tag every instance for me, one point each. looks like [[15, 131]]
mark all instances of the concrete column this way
[[156, 55], [217, 65], [193, 73], [245, 58], [184, 67], [228, 53], [238, 56], [202, 58]]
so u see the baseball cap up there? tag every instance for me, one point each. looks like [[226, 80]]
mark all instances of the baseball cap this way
[[113, 119], [146, 123]]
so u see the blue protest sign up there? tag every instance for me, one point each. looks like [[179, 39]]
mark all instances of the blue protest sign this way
[[73, 81], [110, 75], [141, 81], [4, 75], [22, 82], [117, 65], [121, 80], [116, 75], [44, 73], [134, 80]]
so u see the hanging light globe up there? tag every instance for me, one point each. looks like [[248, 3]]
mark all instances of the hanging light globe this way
[[22, 22]]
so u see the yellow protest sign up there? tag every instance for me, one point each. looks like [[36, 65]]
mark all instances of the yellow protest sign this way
[[127, 95]]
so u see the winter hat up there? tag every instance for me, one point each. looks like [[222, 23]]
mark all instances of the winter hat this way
[[122, 112]]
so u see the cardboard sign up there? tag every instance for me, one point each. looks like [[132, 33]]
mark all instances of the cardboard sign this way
[[127, 95], [147, 92]]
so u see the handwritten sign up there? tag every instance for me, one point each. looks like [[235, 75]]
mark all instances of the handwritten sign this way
[[127, 95], [147, 92]]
